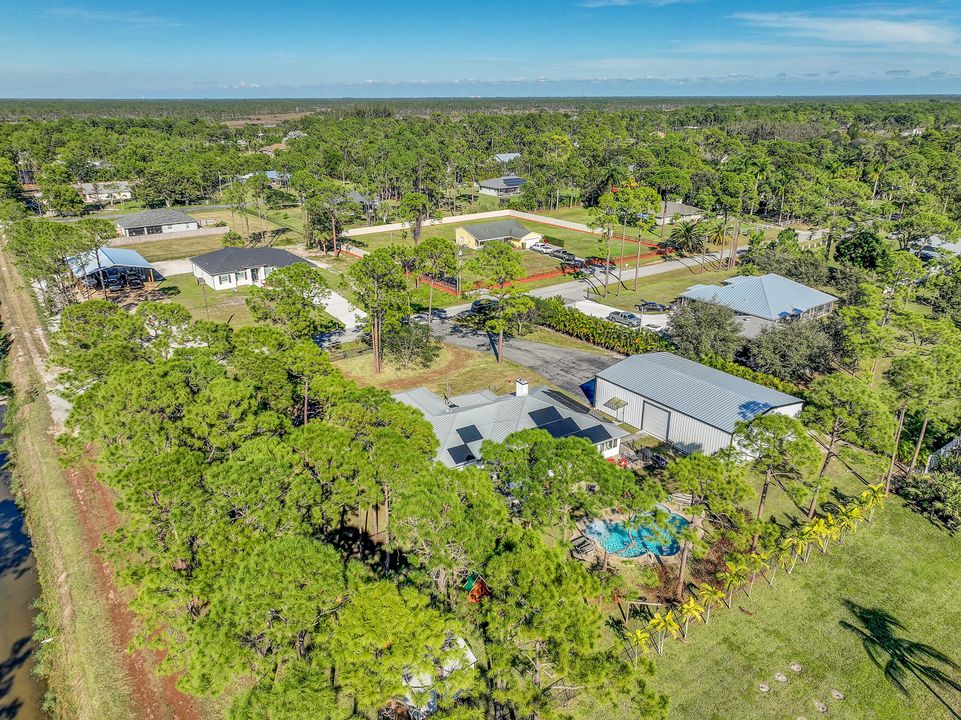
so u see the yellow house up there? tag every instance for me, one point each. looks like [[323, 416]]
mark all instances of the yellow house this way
[[477, 235]]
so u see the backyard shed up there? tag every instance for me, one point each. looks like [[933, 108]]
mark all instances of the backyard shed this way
[[693, 406]]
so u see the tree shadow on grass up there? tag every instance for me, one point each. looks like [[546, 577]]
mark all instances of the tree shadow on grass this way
[[899, 657]]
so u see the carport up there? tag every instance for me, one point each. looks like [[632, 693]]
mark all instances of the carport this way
[[116, 260]]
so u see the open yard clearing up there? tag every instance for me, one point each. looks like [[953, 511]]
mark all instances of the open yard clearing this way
[[225, 306], [663, 288], [457, 370]]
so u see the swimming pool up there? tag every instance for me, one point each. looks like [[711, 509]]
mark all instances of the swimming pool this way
[[619, 539]]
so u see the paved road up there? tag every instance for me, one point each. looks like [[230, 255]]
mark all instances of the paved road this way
[[565, 367]]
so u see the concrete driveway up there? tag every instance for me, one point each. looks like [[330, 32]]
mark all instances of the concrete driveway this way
[[565, 367], [168, 268]]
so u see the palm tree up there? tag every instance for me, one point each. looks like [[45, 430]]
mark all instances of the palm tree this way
[[756, 564], [848, 519], [732, 578], [640, 641], [688, 237], [810, 536], [793, 545], [782, 560], [715, 232], [690, 609], [709, 597], [662, 626], [871, 498]]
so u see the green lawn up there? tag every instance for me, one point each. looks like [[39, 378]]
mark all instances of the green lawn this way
[[223, 305], [172, 249], [663, 288], [898, 569], [457, 369]]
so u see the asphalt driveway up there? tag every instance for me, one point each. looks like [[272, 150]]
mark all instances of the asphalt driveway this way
[[565, 367]]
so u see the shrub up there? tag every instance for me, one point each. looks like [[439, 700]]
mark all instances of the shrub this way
[[733, 368], [938, 495], [553, 314]]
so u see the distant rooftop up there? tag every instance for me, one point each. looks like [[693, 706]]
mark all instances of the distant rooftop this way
[[506, 157], [505, 182], [771, 297], [676, 208], [153, 217], [497, 230]]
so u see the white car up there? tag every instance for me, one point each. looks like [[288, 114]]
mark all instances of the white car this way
[[544, 248]]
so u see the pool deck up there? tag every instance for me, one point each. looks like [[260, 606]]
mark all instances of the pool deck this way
[[650, 558]]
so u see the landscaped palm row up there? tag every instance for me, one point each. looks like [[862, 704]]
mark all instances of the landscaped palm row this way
[[743, 570], [553, 314]]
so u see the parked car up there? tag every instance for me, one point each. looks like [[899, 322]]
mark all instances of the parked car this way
[[115, 284], [134, 282], [562, 254], [623, 317], [649, 306], [483, 305], [545, 248]]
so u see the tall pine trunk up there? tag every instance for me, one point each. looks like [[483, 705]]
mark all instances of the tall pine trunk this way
[[894, 452], [760, 508], [917, 447]]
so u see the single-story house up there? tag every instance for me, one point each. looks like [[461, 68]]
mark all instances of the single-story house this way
[[668, 213], [233, 267], [276, 179], [935, 247], [294, 135], [272, 149], [155, 222], [763, 300], [503, 186], [112, 259], [507, 157], [479, 234], [693, 406], [109, 192], [366, 202], [462, 423]]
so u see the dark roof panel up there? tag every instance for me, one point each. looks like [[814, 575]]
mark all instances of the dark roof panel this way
[[461, 454], [561, 428], [596, 434], [469, 434], [148, 218], [544, 416]]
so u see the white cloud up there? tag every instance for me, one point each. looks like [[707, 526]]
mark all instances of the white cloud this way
[[127, 17], [862, 30]]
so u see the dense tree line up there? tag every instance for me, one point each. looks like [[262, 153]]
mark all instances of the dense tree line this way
[[244, 464]]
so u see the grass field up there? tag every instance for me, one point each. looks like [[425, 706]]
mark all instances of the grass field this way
[[663, 288], [457, 371], [892, 587], [223, 305]]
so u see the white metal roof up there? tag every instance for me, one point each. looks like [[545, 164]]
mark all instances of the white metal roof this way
[[770, 296], [698, 391]]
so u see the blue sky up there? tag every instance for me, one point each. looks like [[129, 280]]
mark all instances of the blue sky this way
[[417, 48]]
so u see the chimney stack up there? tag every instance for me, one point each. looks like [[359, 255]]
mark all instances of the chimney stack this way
[[520, 387]]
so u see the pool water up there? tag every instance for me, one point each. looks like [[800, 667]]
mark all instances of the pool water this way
[[619, 539]]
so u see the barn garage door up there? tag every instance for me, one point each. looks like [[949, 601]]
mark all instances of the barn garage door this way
[[655, 420]]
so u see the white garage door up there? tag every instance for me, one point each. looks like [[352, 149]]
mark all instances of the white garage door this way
[[655, 420]]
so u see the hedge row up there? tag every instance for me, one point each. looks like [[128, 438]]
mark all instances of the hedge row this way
[[733, 368], [553, 314]]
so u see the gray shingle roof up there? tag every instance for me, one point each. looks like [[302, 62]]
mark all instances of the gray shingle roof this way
[[770, 296], [711, 396], [463, 427], [105, 186], [505, 182], [497, 230], [676, 208], [154, 217], [235, 259], [506, 157]]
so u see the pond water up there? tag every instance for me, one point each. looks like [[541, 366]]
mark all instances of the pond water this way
[[20, 692]]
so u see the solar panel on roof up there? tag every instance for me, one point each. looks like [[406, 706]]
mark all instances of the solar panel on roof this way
[[461, 454], [513, 182], [561, 428], [595, 434], [544, 416], [469, 434]]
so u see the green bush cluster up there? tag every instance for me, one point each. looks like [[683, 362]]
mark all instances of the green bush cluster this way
[[554, 315]]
